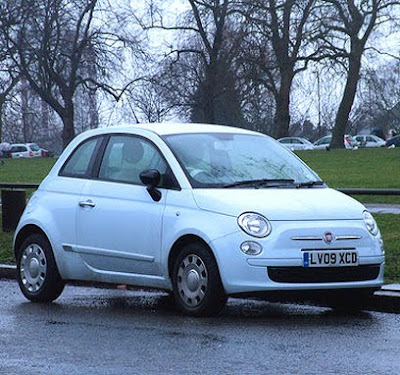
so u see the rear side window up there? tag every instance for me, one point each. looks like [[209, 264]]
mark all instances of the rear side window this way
[[18, 149], [80, 162]]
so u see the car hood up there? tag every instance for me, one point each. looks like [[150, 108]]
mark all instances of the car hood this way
[[281, 204]]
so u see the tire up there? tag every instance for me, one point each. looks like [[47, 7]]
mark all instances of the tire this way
[[37, 273], [197, 285]]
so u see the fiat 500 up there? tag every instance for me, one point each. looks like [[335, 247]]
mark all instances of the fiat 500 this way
[[203, 211]]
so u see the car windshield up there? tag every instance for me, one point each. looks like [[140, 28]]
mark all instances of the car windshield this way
[[215, 160], [34, 147]]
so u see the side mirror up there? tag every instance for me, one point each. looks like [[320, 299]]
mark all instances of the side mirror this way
[[151, 178]]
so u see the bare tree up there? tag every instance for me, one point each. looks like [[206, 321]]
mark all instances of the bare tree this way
[[277, 48], [54, 40], [50, 38], [201, 62], [345, 28], [7, 83], [377, 103], [8, 75]]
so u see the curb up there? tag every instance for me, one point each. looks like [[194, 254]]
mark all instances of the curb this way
[[8, 271], [385, 300]]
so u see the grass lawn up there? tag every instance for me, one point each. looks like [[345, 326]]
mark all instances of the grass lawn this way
[[390, 229], [25, 170], [363, 168]]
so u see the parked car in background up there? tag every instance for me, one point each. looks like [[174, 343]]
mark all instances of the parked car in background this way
[[46, 153], [296, 143], [5, 154], [393, 142], [25, 150], [324, 142], [5, 150], [202, 211], [354, 144], [370, 140]]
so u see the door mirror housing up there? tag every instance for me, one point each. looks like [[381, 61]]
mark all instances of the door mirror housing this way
[[151, 178]]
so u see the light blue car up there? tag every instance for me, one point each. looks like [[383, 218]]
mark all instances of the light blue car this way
[[202, 211]]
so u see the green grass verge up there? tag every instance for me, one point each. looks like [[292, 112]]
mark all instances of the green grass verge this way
[[6, 238], [390, 229], [25, 170], [363, 168]]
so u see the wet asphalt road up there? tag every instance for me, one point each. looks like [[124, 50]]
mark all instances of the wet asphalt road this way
[[108, 331]]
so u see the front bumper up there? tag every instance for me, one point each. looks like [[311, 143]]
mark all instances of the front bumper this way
[[280, 266]]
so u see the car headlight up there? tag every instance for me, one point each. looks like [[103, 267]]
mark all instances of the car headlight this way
[[370, 223], [254, 224]]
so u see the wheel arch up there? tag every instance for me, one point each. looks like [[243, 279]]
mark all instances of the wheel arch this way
[[179, 244], [24, 233]]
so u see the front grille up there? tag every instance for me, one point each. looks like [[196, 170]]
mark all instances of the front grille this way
[[323, 274]]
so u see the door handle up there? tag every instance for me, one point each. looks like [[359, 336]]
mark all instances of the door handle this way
[[87, 203]]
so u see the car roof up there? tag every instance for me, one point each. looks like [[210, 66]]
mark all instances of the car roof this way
[[162, 129]]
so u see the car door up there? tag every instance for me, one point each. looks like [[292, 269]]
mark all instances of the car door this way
[[370, 141], [118, 223], [63, 193], [19, 151]]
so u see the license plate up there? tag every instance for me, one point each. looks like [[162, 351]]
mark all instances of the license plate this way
[[338, 258]]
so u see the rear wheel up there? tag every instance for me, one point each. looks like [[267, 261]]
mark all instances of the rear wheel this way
[[196, 281], [37, 273]]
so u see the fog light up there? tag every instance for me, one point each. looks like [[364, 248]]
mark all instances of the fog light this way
[[251, 248]]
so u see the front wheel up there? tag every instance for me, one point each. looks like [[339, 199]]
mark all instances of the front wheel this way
[[37, 273], [196, 282]]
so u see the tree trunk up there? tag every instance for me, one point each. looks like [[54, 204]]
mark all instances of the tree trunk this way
[[208, 97], [342, 117], [68, 133], [209, 94], [1, 120], [282, 113], [26, 118]]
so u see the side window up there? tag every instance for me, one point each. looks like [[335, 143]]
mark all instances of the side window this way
[[79, 163], [325, 141], [125, 157]]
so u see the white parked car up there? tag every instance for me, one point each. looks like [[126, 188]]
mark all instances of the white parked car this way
[[203, 211], [370, 141], [324, 142], [25, 150], [296, 143]]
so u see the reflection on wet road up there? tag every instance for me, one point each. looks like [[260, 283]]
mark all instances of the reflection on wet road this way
[[109, 331]]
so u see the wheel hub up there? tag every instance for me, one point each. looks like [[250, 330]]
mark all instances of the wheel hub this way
[[33, 268], [193, 280]]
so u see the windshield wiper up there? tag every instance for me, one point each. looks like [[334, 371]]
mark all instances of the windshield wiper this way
[[310, 184], [262, 182]]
